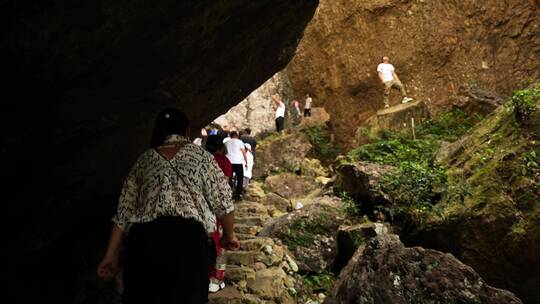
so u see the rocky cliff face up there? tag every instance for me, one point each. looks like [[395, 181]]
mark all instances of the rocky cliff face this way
[[257, 111], [83, 82], [436, 47]]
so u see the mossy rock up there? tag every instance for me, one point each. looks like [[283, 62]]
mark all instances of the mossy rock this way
[[496, 229]]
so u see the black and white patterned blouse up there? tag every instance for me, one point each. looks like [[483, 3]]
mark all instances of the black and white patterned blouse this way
[[153, 188]]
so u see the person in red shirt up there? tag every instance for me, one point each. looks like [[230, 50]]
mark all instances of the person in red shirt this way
[[216, 273]]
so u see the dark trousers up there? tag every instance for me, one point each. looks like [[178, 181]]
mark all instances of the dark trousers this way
[[238, 170], [307, 112], [280, 123], [166, 261]]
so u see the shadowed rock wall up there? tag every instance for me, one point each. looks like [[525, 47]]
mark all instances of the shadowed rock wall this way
[[83, 81]]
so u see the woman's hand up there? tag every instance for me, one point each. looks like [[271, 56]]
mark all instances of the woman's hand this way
[[230, 242], [108, 268]]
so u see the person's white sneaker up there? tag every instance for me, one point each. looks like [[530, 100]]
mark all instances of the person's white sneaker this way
[[386, 106], [215, 286], [406, 99]]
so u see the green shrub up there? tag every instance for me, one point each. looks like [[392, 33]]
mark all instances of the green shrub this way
[[318, 282], [524, 103], [419, 183], [530, 163], [449, 126], [348, 205], [322, 145]]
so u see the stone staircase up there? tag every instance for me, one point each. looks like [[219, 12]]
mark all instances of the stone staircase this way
[[262, 271]]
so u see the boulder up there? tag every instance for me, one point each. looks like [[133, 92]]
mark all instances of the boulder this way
[[256, 111], [270, 284], [319, 117], [281, 153], [273, 200], [361, 181], [399, 117], [385, 271], [288, 185], [493, 224], [313, 167], [310, 233], [476, 101], [350, 237]]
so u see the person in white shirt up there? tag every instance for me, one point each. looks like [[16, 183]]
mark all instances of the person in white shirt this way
[[199, 141], [280, 113], [307, 106], [236, 153], [389, 78], [248, 172]]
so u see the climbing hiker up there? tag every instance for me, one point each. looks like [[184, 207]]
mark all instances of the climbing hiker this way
[[236, 153], [280, 113], [248, 172], [296, 111], [389, 78], [216, 272], [223, 132], [248, 139], [307, 106], [166, 210], [200, 140]]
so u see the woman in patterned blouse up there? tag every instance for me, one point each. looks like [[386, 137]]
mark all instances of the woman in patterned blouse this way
[[167, 207]]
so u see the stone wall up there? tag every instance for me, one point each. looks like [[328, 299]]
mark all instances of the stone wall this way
[[257, 111]]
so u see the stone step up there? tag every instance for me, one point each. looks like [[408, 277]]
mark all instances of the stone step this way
[[235, 274], [243, 236], [242, 258], [231, 295], [250, 220], [251, 209], [247, 229], [248, 258], [256, 244]]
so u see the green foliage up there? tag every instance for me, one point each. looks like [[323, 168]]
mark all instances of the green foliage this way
[[448, 127], [524, 103], [318, 282], [530, 163], [348, 205], [299, 235], [419, 183], [395, 150], [303, 231], [322, 145], [279, 170]]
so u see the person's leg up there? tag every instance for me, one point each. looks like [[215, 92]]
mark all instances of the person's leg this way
[[398, 85], [139, 273], [185, 261], [281, 123], [387, 87], [238, 170], [277, 124], [305, 112]]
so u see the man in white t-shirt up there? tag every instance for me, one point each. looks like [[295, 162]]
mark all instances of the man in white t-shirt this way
[[388, 76], [307, 106], [236, 153], [280, 113], [248, 172]]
